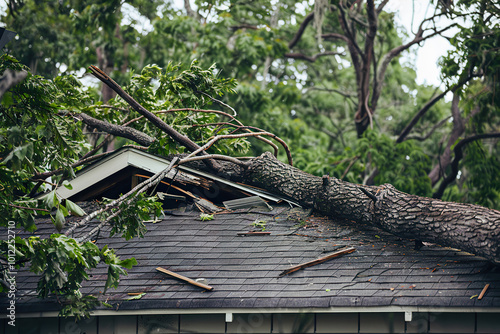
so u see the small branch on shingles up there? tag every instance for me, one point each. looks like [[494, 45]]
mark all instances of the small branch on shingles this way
[[338, 253], [185, 279], [483, 292], [253, 233], [369, 194]]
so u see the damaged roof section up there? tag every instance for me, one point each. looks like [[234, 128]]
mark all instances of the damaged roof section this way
[[124, 169], [244, 271]]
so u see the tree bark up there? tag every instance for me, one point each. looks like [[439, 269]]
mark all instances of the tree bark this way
[[468, 227]]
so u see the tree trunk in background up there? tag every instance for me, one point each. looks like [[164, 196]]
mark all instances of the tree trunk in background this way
[[468, 227], [458, 129]]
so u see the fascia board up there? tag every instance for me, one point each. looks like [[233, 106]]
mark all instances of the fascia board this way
[[351, 309], [95, 173]]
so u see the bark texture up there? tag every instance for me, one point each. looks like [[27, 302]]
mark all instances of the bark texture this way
[[468, 227]]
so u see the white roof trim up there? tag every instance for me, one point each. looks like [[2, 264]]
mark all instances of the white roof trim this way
[[124, 158], [351, 309]]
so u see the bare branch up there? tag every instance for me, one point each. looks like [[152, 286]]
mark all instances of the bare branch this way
[[335, 36], [330, 90], [426, 108], [458, 156], [312, 59], [242, 135], [389, 56], [244, 26], [220, 102], [245, 128], [353, 45], [301, 30], [216, 157], [24, 207], [381, 6], [117, 130], [434, 128]]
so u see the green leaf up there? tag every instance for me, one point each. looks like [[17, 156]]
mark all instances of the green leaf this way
[[67, 185], [74, 209], [206, 216], [50, 200], [128, 263], [137, 297], [59, 220]]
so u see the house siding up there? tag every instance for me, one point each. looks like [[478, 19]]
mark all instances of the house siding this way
[[263, 323]]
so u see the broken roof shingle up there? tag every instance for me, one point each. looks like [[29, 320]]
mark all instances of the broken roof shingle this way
[[383, 271]]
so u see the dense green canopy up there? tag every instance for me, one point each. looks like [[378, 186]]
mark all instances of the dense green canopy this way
[[327, 77]]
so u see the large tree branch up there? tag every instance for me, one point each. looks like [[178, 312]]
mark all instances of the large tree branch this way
[[468, 227], [456, 132], [117, 130], [301, 30], [335, 36], [431, 131], [458, 156], [311, 59], [354, 48], [155, 120]]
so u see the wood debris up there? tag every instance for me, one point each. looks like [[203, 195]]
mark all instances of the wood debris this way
[[481, 295], [318, 261], [253, 233], [185, 279]]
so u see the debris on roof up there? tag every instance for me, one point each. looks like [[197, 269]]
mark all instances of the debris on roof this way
[[253, 233], [185, 279], [338, 253], [481, 295], [246, 202], [385, 272]]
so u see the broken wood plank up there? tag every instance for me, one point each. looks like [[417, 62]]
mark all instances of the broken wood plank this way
[[253, 233], [481, 295], [318, 261], [185, 279]]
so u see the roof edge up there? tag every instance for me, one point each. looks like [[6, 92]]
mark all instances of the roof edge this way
[[352, 309]]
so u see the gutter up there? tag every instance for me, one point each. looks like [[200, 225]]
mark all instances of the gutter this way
[[407, 310]]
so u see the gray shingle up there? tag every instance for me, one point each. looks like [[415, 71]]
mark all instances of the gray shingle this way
[[244, 270]]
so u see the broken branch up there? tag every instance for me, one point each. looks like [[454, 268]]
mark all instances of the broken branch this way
[[155, 120], [250, 134], [185, 279], [317, 261]]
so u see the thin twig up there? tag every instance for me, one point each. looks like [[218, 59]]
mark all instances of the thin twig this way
[[220, 102]]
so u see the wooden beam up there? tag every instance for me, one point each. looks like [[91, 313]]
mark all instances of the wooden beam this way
[[185, 279], [318, 261]]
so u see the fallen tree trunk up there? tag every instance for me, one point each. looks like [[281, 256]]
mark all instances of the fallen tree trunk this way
[[468, 227]]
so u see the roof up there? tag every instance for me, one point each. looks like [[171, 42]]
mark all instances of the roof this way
[[115, 171], [384, 271]]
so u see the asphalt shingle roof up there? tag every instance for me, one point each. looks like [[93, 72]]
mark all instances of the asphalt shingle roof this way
[[383, 271]]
